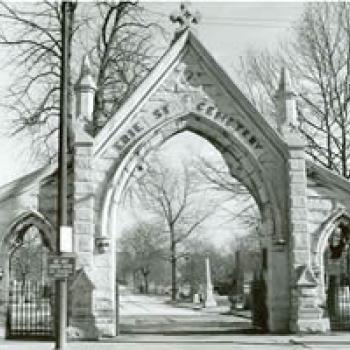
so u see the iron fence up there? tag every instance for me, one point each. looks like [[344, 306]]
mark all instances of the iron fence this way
[[30, 310], [338, 300]]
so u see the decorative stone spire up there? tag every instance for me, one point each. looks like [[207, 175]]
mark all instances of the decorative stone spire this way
[[185, 17], [287, 119], [85, 92]]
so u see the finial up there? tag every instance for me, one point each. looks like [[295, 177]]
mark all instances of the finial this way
[[285, 85], [287, 120], [85, 88], [86, 65], [185, 17], [86, 79]]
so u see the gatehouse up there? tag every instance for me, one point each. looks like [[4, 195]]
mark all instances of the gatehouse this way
[[305, 208]]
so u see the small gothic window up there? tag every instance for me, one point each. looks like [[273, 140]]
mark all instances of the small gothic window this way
[[339, 240], [337, 276], [28, 259]]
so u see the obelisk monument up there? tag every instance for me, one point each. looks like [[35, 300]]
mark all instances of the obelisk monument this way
[[209, 295]]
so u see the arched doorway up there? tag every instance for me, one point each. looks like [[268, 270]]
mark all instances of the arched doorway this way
[[242, 165], [228, 234], [29, 291], [337, 275]]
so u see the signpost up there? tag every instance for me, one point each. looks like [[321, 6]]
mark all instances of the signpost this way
[[67, 9], [60, 267]]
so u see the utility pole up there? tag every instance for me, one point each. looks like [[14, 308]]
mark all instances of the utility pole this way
[[62, 218]]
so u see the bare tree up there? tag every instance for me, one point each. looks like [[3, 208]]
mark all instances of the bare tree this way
[[123, 55], [318, 55], [144, 243], [238, 203], [118, 36], [35, 46], [178, 200], [193, 270]]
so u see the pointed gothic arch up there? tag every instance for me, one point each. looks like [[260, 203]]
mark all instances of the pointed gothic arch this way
[[21, 223], [328, 226], [12, 239], [17, 230], [320, 243], [242, 164]]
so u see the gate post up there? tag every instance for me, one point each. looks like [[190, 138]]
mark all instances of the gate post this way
[[305, 316], [93, 290], [82, 324]]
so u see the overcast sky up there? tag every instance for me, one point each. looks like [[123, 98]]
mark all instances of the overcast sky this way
[[227, 29]]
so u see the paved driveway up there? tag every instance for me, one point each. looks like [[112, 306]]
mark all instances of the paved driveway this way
[[137, 304], [155, 314], [195, 343]]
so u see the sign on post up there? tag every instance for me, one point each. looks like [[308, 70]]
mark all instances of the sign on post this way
[[60, 266], [66, 239]]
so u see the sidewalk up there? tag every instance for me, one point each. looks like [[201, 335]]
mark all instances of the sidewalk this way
[[202, 342]]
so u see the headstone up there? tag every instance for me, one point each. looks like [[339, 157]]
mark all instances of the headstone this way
[[196, 299], [209, 295], [196, 302]]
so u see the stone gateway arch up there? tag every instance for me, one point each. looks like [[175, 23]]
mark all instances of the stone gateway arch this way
[[301, 203]]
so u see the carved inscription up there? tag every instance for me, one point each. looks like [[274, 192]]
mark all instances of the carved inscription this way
[[160, 113], [203, 107], [139, 126], [131, 133], [229, 122]]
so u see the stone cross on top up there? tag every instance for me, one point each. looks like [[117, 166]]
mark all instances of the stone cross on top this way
[[185, 18]]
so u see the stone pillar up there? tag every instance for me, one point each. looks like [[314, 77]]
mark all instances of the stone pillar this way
[[83, 218], [209, 295], [105, 279], [83, 223], [302, 319], [82, 319], [105, 294], [299, 240]]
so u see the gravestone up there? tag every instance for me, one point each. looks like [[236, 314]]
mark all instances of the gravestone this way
[[209, 295]]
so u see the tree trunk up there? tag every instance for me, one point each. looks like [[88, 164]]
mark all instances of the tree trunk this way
[[192, 283], [344, 152], [145, 278], [173, 269], [173, 278]]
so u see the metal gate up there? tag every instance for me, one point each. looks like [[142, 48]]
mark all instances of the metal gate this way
[[258, 303], [337, 278], [30, 310]]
